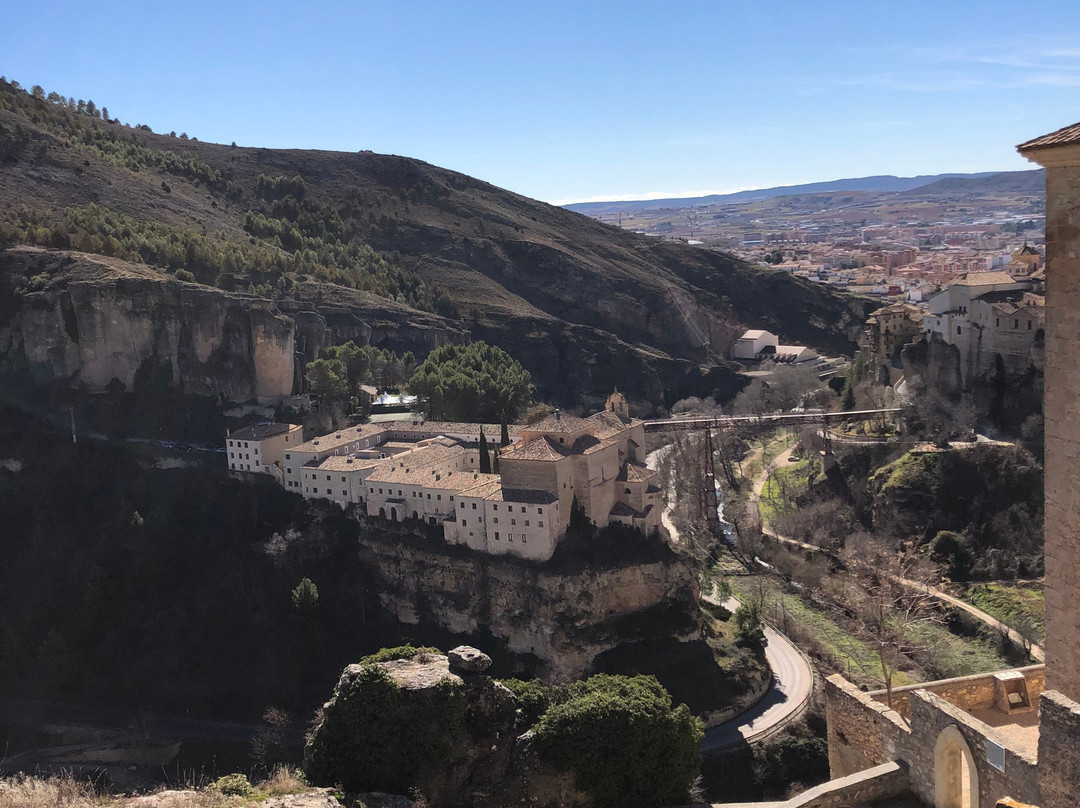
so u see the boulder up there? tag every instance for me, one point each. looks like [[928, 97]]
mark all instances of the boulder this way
[[466, 659]]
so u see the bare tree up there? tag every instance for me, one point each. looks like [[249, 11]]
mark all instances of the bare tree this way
[[888, 593]]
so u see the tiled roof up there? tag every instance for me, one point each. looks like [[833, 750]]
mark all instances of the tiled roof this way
[[541, 448], [560, 423], [635, 473], [347, 463], [528, 496], [622, 509], [481, 486], [608, 424], [983, 279], [261, 431], [491, 431], [1066, 136], [335, 440]]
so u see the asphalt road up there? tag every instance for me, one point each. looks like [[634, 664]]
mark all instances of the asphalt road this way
[[792, 686], [792, 676]]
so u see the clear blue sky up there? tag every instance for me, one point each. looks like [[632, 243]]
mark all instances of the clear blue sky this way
[[579, 100]]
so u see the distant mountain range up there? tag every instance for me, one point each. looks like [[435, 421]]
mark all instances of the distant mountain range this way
[[932, 183]]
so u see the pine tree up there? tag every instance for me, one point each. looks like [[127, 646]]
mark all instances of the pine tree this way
[[305, 597], [485, 457], [848, 399], [504, 438]]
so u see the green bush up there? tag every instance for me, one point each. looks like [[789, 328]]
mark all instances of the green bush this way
[[233, 785], [624, 741], [533, 697], [400, 652]]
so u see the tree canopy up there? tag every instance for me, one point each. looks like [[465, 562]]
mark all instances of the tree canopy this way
[[476, 382], [623, 739]]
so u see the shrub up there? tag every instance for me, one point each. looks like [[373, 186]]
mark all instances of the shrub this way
[[400, 652], [623, 740], [233, 785], [185, 276]]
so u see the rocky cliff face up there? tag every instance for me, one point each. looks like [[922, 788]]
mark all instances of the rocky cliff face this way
[[93, 320], [564, 616]]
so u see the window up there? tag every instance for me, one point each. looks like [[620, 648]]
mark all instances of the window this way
[[958, 329], [524, 538], [344, 493], [496, 520], [288, 471], [245, 444], [233, 465], [1016, 323], [328, 478], [328, 491], [1029, 325], [399, 492], [438, 497], [523, 509], [541, 523], [380, 490], [526, 523], [539, 510], [513, 521], [474, 506], [230, 443], [509, 536], [495, 507], [343, 479], [462, 506], [429, 496], [496, 535], [464, 522]]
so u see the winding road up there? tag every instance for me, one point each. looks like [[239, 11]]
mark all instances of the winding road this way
[[792, 676]]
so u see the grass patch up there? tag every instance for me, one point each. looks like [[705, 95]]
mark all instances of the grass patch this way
[[231, 791], [781, 489], [952, 655], [818, 633], [1020, 606]]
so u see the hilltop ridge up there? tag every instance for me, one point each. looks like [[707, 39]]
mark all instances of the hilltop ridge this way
[[584, 306]]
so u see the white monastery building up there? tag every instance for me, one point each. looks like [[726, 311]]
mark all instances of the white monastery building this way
[[429, 471]]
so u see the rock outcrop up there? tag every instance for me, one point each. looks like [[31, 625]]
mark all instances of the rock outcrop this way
[[564, 616], [99, 322], [414, 726]]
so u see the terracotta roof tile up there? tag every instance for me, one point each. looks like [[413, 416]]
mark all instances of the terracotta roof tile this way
[[1065, 136], [635, 473], [560, 423], [541, 448]]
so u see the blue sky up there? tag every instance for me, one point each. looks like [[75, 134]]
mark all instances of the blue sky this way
[[579, 100]]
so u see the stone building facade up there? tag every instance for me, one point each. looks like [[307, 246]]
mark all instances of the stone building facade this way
[[261, 448]]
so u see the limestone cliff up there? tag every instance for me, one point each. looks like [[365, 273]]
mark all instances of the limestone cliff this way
[[87, 321], [564, 615]]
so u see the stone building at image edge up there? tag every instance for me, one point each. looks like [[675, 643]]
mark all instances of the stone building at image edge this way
[[1012, 737], [430, 471]]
